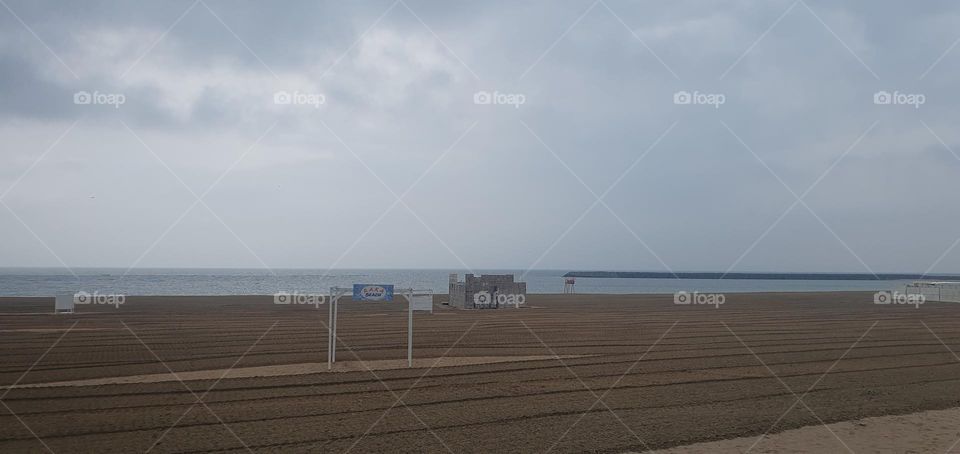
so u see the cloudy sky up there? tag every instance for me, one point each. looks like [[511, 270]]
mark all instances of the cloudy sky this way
[[621, 135]]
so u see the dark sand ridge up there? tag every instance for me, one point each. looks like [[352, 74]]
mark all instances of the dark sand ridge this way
[[697, 383]]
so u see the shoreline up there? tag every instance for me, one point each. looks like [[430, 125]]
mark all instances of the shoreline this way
[[545, 294]]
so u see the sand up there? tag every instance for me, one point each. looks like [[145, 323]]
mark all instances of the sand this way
[[295, 369], [52, 330], [670, 376], [929, 431]]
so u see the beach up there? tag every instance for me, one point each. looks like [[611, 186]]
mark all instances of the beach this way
[[566, 373]]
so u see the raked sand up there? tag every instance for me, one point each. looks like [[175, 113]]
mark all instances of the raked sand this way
[[673, 375]]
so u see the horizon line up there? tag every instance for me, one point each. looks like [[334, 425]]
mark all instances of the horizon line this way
[[462, 270]]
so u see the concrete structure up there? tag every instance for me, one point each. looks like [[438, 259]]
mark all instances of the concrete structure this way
[[948, 292], [488, 291]]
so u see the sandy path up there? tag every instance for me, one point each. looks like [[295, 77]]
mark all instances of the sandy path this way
[[53, 330], [928, 431], [296, 369]]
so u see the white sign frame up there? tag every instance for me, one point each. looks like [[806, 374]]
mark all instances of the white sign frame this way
[[339, 292]]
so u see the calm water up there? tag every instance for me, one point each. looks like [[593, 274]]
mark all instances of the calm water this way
[[48, 282]]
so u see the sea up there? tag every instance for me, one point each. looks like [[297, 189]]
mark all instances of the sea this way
[[212, 281]]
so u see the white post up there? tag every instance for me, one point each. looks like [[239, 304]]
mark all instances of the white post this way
[[333, 299], [410, 329], [333, 348]]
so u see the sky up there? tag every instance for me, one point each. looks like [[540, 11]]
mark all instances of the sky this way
[[797, 135]]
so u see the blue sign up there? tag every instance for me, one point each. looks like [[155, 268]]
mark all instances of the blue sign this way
[[373, 292]]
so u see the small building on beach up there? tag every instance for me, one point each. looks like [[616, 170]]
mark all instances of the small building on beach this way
[[487, 291]]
